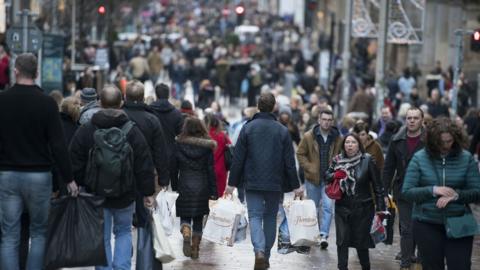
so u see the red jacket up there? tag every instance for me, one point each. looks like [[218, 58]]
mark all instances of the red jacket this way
[[219, 157]]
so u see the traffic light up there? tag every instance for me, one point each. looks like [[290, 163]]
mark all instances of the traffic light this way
[[475, 41], [101, 10], [240, 11]]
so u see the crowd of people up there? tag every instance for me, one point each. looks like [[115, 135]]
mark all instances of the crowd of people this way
[[289, 139], [425, 166]]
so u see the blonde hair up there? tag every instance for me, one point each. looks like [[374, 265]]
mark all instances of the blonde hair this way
[[71, 107]]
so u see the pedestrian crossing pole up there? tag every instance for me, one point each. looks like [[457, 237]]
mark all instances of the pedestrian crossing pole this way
[[459, 33]]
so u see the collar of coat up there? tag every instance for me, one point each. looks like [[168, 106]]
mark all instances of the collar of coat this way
[[264, 115], [402, 135], [202, 142]]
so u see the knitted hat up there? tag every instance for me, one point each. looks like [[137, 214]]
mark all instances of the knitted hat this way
[[285, 109], [88, 95]]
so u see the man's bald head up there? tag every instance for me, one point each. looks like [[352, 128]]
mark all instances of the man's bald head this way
[[111, 97], [135, 91]]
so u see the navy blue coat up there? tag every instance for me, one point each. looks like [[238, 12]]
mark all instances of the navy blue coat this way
[[263, 158]]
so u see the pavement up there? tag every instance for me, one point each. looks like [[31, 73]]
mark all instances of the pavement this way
[[241, 256]]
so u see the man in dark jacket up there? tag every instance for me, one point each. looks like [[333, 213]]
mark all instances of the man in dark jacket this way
[[263, 149], [152, 130], [404, 144], [31, 142], [117, 209], [170, 118]]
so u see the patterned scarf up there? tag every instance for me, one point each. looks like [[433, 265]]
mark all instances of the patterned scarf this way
[[347, 184]]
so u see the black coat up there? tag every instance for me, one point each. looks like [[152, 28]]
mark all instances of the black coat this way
[[195, 176], [354, 214], [143, 168], [396, 162], [263, 157], [152, 130], [69, 128], [172, 123]]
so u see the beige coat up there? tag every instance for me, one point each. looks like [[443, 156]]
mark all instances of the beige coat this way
[[308, 155]]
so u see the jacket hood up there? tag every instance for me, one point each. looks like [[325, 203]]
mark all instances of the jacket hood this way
[[193, 147], [162, 105], [107, 118]]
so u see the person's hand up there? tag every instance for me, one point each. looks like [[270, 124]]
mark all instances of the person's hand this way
[[229, 190], [443, 201], [149, 201], [72, 188], [299, 192], [444, 191], [387, 201], [339, 174]]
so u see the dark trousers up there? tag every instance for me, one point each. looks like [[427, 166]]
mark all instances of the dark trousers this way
[[145, 252], [197, 226], [363, 256], [407, 244], [435, 247]]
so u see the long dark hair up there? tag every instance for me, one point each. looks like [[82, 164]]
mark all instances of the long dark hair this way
[[434, 131], [355, 136], [193, 127], [212, 121]]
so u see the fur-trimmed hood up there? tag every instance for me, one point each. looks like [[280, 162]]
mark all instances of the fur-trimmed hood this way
[[208, 143], [195, 148]]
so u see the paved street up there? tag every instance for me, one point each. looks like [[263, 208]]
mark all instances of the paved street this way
[[240, 256]]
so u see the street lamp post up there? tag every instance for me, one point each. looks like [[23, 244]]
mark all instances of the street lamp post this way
[[459, 33], [346, 58]]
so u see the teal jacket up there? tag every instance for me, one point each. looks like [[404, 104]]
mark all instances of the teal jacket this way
[[459, 171]]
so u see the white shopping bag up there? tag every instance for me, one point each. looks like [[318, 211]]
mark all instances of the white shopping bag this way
[[302, 222], [166, 209], [161, 245], [223, 221]]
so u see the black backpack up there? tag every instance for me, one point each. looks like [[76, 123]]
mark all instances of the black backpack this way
[[110, 162]]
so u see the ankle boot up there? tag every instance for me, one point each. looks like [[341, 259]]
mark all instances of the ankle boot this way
[[187, 236], [196, 238], [260, 261]]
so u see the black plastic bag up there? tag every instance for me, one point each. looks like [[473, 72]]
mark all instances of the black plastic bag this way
[[75, 232], [389, 228]]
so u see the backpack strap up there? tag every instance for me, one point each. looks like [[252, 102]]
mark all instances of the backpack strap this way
[[127, 127]]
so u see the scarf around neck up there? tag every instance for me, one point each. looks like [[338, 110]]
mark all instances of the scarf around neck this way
[[347, 184]]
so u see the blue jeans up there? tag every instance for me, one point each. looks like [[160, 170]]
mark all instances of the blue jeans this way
[[19, 190], [262, 213], [122, 229], [283, 229], [317, 194], [145, 253]]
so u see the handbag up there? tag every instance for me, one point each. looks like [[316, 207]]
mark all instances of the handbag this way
[[460, 226], [333, 190]]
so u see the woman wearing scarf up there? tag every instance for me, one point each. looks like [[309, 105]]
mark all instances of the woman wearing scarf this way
[[354, 212]]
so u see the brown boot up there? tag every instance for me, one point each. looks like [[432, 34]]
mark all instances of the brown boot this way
[[260, 261], [196, 238], [187, 236]]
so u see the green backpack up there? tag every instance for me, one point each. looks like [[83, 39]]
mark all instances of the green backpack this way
[[110, 162]]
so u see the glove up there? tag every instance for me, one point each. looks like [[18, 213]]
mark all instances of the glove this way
[[339, 174]]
